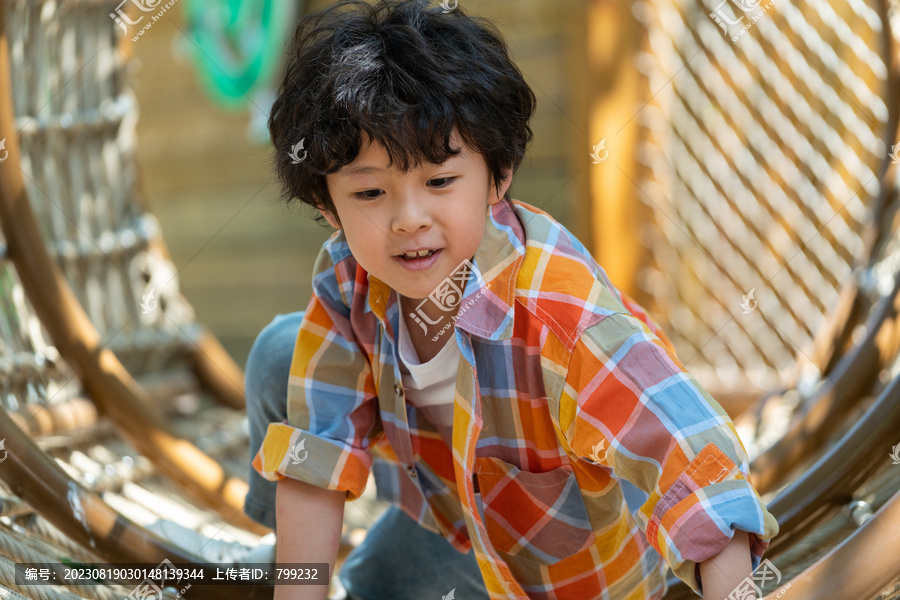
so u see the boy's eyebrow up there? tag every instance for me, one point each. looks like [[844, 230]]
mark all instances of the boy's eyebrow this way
[[363, 171]]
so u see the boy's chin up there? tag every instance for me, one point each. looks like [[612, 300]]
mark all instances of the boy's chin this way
[[413, 296]]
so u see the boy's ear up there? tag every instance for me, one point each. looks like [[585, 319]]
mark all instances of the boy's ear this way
[[330, 218], [504, 186]]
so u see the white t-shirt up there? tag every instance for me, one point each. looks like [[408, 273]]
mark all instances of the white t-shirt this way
[[430, 386]]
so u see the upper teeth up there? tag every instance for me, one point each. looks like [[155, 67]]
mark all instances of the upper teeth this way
[[419, 253]]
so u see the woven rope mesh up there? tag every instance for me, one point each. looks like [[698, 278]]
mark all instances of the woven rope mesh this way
[[762, 146], [30, 369], [76, 117]]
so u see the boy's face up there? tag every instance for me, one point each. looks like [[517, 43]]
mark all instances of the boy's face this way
[[436, 208]]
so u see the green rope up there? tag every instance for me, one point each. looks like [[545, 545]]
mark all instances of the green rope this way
[[236, 45]]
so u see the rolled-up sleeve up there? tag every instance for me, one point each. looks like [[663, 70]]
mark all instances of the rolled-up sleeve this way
[[628, 404], [332, 410]]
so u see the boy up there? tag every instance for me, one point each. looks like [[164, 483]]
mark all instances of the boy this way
[[520, 405]]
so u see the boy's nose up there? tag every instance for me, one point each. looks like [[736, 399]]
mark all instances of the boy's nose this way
[[411, 215]]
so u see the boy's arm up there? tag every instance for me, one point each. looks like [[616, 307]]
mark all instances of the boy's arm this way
[[320, 456], [332, 406], [722, 573], [628, 404], [309, 530]]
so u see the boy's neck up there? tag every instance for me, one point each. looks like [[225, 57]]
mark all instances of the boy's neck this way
[[426, 347]]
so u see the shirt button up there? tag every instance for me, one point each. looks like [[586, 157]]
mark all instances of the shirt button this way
[[398, 389], [411, 470]]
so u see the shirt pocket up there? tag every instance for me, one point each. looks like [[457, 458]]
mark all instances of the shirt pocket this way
[[536, 517]]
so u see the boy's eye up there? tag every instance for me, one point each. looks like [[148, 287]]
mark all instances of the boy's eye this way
[[367, 194], [441, 181]]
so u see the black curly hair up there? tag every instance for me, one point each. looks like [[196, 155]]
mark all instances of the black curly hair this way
[[404, 73]]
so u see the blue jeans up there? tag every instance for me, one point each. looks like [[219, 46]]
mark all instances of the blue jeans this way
[[398, 560]]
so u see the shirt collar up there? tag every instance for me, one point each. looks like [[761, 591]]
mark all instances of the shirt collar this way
[[488, 301]]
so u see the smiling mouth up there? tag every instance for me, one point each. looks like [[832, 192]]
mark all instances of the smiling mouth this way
[[417, 255]]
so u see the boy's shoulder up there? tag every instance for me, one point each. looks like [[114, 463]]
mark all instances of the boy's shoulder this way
[[334, 251], [559, 280], [336, 274]]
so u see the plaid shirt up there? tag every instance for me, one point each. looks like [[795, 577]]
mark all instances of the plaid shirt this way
[[582, 450]]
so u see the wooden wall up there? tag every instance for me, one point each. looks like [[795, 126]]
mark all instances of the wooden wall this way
[[242, 258], [615, 93]]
